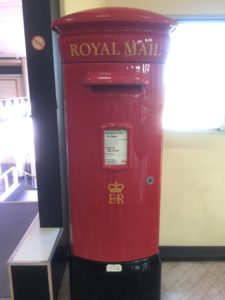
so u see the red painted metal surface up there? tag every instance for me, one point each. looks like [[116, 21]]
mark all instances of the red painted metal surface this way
[[114, 35], [113, 119], [112, 15]]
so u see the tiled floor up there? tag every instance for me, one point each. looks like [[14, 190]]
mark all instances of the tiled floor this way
[[193, 281], [182, 281]]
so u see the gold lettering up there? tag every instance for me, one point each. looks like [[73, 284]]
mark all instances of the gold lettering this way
[[105, 50], [85, 49], [112, 199], [153, 49], [95, 47], [120, 199], [116, 199], [114, 50], [142, 50], [130, 49], [73, 50]]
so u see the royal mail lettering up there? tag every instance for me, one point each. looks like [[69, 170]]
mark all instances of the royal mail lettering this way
[[128, 48], [114, 49]]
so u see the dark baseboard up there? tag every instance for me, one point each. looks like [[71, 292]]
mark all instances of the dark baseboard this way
[[192, 253], [92, 280]]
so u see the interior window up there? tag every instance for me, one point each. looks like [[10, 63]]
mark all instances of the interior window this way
[[195, 77]]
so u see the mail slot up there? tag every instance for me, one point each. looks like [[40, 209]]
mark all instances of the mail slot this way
[[113, 62]]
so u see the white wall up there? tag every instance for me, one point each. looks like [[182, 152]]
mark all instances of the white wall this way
[[12, 41], [71, 6], [193, 190], [175, 7]]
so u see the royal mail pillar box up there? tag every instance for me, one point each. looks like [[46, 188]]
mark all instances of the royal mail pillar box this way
[[112, 68]]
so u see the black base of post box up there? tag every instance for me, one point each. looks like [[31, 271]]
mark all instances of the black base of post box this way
[[137, 280]]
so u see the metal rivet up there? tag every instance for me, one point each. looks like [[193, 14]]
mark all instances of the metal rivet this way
[[149, 180]]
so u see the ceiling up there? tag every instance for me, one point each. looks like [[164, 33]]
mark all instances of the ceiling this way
[[12, 43]]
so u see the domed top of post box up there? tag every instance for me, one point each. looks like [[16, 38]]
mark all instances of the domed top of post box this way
[[114, 34], [112, 15]]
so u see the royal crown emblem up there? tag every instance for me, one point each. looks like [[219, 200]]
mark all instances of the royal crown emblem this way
[[115, 187]]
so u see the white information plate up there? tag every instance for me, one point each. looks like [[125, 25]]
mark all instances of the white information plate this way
[[114, 268], [115, 147]]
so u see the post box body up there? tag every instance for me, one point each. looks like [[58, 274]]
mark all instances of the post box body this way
[[114, 146], [113, 88]]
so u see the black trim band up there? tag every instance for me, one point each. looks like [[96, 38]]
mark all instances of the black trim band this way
[[137, 280], [192, 253]]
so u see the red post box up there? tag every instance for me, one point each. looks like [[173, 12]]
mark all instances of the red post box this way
[[112, 66]]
